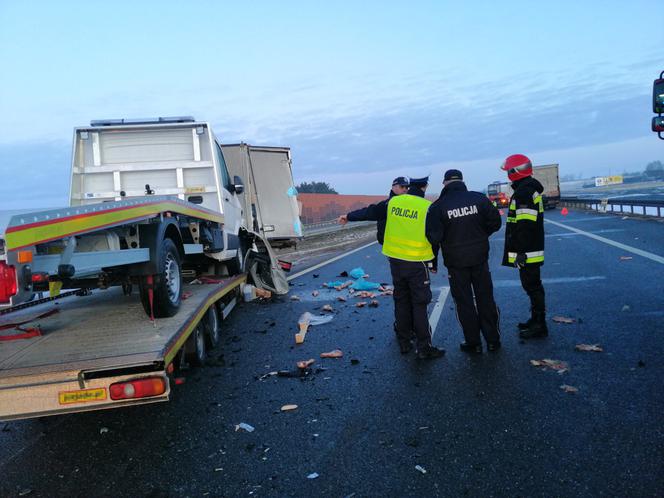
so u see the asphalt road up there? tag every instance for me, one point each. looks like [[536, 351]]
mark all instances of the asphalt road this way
[[492, 425]]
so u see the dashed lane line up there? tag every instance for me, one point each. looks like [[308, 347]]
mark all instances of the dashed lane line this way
[[438, 309], [624, 247]]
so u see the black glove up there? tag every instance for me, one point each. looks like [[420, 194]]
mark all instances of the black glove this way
[[520, 260]]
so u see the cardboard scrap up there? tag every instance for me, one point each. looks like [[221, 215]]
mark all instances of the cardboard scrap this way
[[589, 347], [337, 353]]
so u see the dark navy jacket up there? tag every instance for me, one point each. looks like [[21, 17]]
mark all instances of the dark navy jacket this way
[[374, 212], [460, 222]]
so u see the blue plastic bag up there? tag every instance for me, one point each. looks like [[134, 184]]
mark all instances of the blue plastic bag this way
[[357, 272], [363, 285]]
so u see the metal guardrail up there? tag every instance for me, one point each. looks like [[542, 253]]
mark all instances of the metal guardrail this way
[[649, 207], [330, 226]]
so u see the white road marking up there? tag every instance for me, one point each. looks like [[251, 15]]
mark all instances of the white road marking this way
[[624, 247], [547, 281], [438, 309], [336, 258]]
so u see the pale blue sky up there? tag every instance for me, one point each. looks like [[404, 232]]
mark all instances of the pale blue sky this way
[[361, 93]]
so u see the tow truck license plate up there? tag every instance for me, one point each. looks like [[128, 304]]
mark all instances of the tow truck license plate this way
[[82, 396]]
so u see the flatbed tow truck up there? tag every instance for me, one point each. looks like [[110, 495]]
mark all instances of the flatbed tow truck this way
[[100, 351], [184, 238]]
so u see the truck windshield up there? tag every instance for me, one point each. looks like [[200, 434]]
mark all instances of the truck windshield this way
[[493, 189]]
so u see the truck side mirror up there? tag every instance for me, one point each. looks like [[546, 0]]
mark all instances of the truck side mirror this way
[[658, 96], [238, 185]]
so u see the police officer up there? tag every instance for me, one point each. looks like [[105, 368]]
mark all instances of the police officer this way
[[410, 253], [376, 212], [524, 239], [461, 223]]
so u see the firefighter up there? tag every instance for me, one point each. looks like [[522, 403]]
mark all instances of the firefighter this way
[[410, 256], [461, 223], [524, 240], [376, 212]]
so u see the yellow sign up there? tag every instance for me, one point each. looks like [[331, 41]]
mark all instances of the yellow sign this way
[[82, 396]]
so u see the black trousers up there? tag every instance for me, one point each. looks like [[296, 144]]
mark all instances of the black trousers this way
[[479, 313], [412, 294], [532, 284]]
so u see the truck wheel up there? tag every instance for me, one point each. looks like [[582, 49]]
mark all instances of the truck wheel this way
[[167, 283], [236, 264], [195, 348], [212, 327]]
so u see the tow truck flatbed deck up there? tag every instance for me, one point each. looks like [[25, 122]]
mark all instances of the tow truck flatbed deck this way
[[89, 340]]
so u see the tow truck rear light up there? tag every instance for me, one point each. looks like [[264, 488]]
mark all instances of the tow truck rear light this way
[[140, 388], [7, 282]]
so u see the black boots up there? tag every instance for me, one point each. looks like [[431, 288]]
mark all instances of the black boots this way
[[470, 348], [535, 327]]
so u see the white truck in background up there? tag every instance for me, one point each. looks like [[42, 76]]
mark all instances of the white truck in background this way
[[547, 175], [268, 176]]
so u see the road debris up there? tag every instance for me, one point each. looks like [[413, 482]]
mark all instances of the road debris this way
[[269, 374], [103, 430], [563, 319], [569, 389], [361, 304], [313, 475], [420, 469], [327, 307], [344, 274], [307, 319], [288, 408], [589, 347], [245, 427], [363, 285], [357, 272], [354, 361], [341, 299], [626, 308], [295, 297], [626, 258], [337, 353], [305, 363], [558, 366], [315, 293], [373, 304], [262, 293]]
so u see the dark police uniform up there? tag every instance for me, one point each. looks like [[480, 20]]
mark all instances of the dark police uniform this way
[[461, 222], [524, 247], [410, 254]]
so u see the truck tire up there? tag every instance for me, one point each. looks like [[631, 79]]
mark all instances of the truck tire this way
[[167, 283], [195, 347], [212, 323], [236, 265]]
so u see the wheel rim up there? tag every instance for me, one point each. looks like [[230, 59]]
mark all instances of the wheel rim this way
[[200, 344], [214, 325], [172, 275]]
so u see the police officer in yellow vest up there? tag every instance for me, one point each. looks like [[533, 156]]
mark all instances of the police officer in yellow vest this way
[[410, 255]]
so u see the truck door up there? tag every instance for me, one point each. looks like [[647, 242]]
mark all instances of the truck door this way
[[231, 204]]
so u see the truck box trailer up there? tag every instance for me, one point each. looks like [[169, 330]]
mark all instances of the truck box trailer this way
[[268, 176], [547, 175]]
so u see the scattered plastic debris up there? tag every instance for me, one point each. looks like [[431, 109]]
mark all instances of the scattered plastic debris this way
[[337, 353], [313, 475], [357, 272], [420, 469], [288, 408], [103, 430], [307, 319], [569, 389], [262, 293], [269, 374], [361, 304], [327, 307], [315, 293], [24, 492], [626, 308], [626, 258], [547, 364], [563, 319], [333, 284], [295, 297], [341, 299], [589, 347], [245, 427], [305, 363], [373, 304], [343, 274], [365, 295], [363, 285]]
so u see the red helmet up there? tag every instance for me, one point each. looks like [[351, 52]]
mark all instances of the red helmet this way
[[517, 166]]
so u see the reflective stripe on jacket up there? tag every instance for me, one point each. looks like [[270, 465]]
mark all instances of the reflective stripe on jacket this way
[[405, 229]]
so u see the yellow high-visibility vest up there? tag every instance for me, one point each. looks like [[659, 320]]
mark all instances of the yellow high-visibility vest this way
[[405, 229]]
